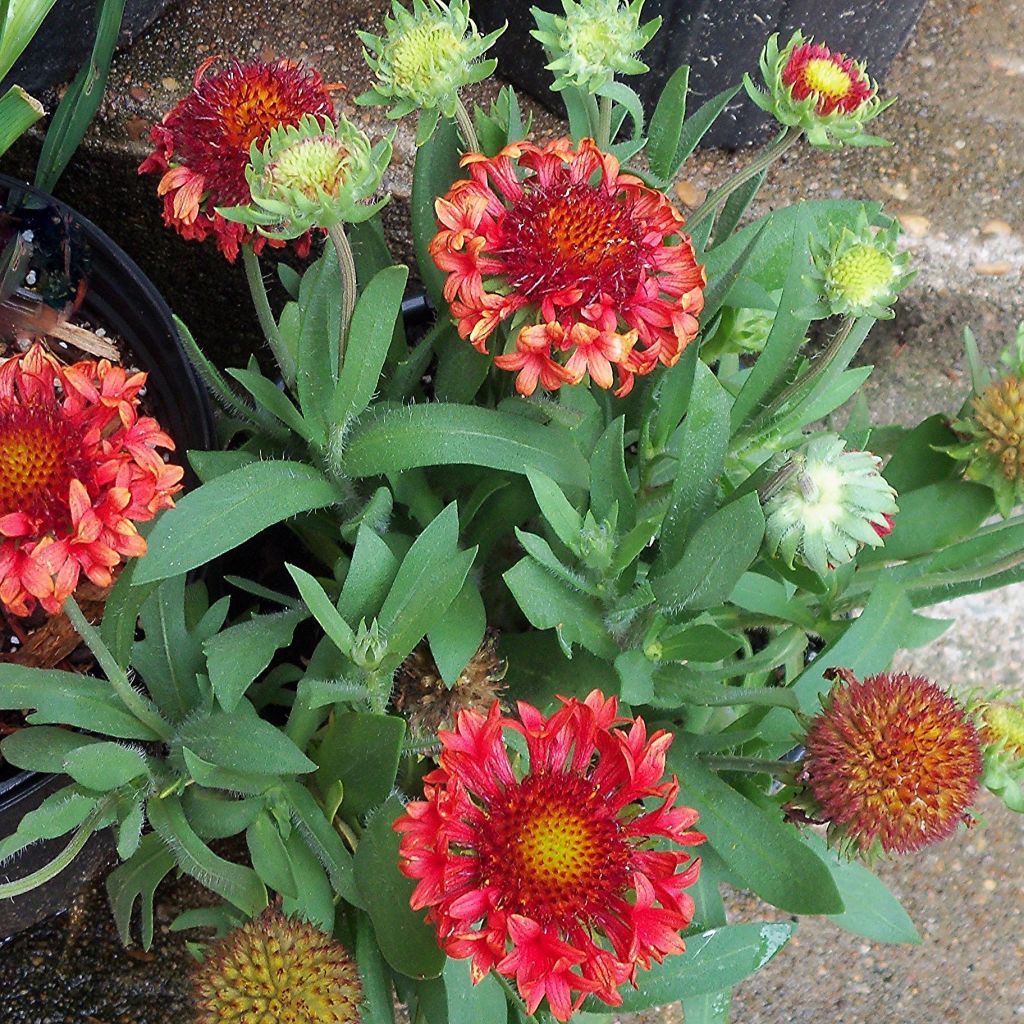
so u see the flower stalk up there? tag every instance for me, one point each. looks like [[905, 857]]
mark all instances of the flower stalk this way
[[349, 286], [265, 315]]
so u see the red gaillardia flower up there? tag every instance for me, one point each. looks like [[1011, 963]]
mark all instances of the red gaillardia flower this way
[[78, 467], [891, 759], [203, 143], [592, 264], [554, 872], [835, 81]]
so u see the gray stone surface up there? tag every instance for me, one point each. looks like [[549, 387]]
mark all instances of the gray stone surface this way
[[957, 168]]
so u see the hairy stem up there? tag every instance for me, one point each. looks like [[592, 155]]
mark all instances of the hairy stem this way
[[757, 765], [604, 123], [349, 286], [466, 128], [265, 315], [786, 139]]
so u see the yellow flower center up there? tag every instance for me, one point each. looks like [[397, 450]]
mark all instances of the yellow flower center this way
[[827, 77], [1000, 411], [423, 54], [862, 274], [38, 460], [319, 162], [555, 850]]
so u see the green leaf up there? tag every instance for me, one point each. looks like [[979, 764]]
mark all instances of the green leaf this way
[[469, 1003], [57, 815], [395, 439], [765, 854], [137, 879], [915, 462], [428, 580], [238, 654], [549, 603], [609, 482], [318, 328], [406, 941], [378, 1002], [667, 124], [670, 396], [315, 899], [636, 677], [269, 856], [18, 24], [240, 741], [129, 831], [718, 554], [67, 698], [714, 960], [103, 766], [323, 609], [168, 657], [435, 169], [678, 685], [461, 370], [369, 577], [229, 510], [325, 844], [764, 596], [735, 206], [269, 397], [369, 338], [361, 752], [871, 909], [81, 100], [215, 816], [700, 448], [964, 507], [121, 614], [561, 516], [238, 884], [700, 641], [457, 635], [18, 112], [42, 748], [695, 127]]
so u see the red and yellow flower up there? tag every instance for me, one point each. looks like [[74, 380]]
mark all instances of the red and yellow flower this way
[[78, 468], [891, 760], [203, 144], [591, 266], [826, 94], [565, 873]]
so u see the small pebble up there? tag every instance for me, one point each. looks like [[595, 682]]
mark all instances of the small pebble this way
[[139, 92], [170, 84], [999, 268], [690, 194], [914, 224], [996, 227]]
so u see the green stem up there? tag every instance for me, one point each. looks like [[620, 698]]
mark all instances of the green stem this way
[[349, 285], [511, 994], [604, 123], [756, 765], [9, 890], [786, 139], [138, 704], [265, 315], [466, 129]]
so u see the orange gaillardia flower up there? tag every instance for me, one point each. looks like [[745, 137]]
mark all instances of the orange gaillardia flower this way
[[203, 143], [280, 969], [591, 264], [891, 760], [553, 872], [78, 467]]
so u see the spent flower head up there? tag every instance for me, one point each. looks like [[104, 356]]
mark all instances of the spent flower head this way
[[203, 144], [892, 762], [594, 41], [828, 95], [590, 265], [280, 969], [829, 503], [860, 272], [565, 871], [992, 432], [78, 468], [315, 174], [424, 58]]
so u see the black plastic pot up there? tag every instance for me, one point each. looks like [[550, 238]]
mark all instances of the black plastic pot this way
[[64, 41], [121, 299], [719, 39]]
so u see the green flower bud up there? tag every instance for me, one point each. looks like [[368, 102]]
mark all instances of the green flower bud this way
[[594, 41], [315, 174], [861, 272], [993, 433], [424, 57], [828, 503], [1001, 729], [827, 95]]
